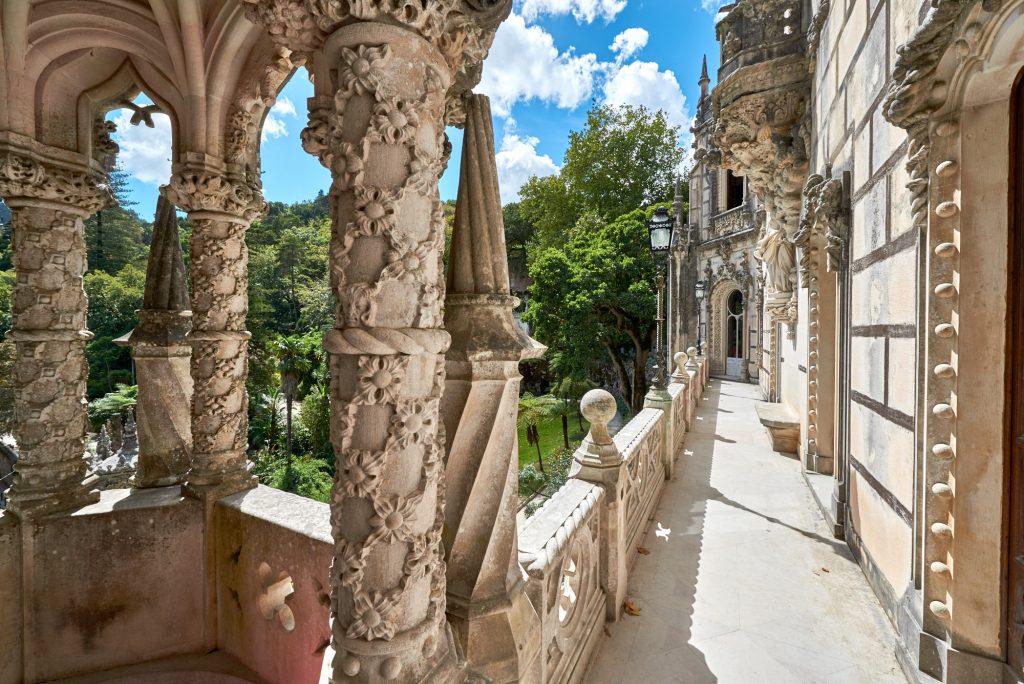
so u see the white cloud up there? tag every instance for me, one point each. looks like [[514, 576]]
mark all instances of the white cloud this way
[[584, 11], [274, 125], [145, 152], [518, 161], [524, 64], [629, 42], [644, 83]]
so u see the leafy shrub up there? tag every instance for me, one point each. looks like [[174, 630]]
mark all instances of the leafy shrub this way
[[305, 476], [116, 403], [535, 486]]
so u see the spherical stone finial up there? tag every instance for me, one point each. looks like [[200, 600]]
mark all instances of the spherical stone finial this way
[[598, 407], [679, 358], [691, 352]]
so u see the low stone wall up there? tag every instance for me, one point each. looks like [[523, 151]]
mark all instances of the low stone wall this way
[[578, 547], [273, 559], [103, 586], [249, 575]]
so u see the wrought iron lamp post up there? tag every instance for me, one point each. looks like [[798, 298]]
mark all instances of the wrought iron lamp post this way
[[659, 230], [699, 294]]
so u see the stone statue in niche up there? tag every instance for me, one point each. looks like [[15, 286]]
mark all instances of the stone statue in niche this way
[[779, 258]]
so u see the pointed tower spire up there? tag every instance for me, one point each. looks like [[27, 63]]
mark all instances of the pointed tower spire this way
[[165, 274], [704, 79]]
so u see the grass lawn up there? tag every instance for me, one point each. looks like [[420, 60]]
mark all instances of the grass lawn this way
[[550, 438]]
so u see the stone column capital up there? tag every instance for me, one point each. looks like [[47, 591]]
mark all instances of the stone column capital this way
[[30, 173], [207, 189], [461, 30]]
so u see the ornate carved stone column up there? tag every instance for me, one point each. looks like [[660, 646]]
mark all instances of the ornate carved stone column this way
[[387, 76], [161, 350], [220, 210], [492, 616], [49, 200]]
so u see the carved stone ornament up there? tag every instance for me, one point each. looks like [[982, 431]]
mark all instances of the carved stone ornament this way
[[825, 219], [461, 30], [376, 121], [205, 190], [104, 149], [23, 174]]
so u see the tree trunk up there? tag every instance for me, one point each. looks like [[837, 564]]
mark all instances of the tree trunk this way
[[639, 379], [272, 439], [625, 386], [565, 430], [536, 442], [288, 418]]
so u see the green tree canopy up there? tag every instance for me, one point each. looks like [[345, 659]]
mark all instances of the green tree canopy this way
[[113, 301], [599, 287], [623, 159]]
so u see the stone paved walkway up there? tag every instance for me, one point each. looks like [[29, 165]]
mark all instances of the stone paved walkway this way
[[749, 586]]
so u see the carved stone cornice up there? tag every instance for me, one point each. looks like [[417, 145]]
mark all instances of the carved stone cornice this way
[[462, 30], [30, 174], [199, 189]]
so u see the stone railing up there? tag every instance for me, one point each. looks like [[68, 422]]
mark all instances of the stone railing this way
[[249, 576], [577, 549], [731, 221]]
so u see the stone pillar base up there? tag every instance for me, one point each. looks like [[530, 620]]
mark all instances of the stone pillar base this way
[[39, 503], [502, 640]]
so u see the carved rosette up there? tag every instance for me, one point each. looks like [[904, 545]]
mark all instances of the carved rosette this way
[[49, 204], [220, 209], [377, 123]]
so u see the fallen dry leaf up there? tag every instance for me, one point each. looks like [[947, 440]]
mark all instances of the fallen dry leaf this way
[[631, 608], [643, 551], [607, 632], [825, 570]]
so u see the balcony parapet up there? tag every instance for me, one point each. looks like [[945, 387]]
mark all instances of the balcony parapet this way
[[756, 31], [735, 220], [577, 549]]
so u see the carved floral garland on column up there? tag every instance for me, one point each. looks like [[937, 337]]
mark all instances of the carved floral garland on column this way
[[389, 334]]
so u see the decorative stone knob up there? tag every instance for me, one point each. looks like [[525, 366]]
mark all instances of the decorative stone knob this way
[[691, 363], [680, 359], [598, 407]]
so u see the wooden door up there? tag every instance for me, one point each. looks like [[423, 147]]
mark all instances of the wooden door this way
[[1015, 362]]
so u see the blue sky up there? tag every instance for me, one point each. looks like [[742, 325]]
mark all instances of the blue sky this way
[[550, 61]]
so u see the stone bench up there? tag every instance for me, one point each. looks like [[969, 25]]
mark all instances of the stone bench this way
[[782, 424]]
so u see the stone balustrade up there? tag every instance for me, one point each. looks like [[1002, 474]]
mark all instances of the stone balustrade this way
[[732, 221], [577, 549]]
